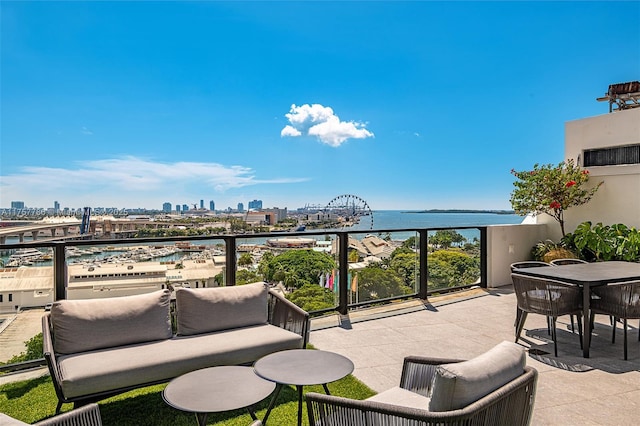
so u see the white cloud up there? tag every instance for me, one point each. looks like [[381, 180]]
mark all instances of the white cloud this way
[[86, 131], [321, 122], [290, 131], [132, 178]]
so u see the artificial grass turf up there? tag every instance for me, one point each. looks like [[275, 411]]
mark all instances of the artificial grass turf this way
[[34, 400]]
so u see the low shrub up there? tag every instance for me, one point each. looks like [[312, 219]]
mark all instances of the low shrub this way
[[605, 242]]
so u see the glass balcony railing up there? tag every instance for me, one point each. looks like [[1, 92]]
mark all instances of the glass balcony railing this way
[[321, 271], [374, 265]]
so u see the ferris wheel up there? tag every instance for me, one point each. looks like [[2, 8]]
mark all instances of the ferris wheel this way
[[352, 210]]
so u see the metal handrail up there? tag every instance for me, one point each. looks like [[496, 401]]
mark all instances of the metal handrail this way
[[230, 240]]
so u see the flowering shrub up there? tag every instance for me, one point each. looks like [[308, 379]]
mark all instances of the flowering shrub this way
[[551, 189]]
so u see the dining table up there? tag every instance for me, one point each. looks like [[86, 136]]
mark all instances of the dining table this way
[[587, 276]]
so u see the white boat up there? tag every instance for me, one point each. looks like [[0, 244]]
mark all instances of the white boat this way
[[25, 255]]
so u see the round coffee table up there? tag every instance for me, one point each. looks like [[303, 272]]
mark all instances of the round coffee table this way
[[217, 389], [301, 367]]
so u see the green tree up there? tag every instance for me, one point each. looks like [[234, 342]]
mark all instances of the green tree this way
[[551, 190], [405, 265], [377, 283], [297, 267], [450, 268], [245, 259], [312, 297], [411, 243], [246, 276], [445, 238], [354, 256], [33, 351]]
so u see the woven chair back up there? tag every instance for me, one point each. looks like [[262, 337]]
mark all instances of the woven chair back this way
[[546, 297], [622, 300]]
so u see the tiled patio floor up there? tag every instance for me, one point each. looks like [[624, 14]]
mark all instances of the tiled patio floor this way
[[600, 390]]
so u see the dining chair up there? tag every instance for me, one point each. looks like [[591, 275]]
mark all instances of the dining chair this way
[[558, 262], [527, 264], [549, 298], [620, 300], [531, 264]]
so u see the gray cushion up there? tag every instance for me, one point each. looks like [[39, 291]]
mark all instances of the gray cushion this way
[[401, 397], [109, 369], [221, 308], [85, 325], [458, 385]]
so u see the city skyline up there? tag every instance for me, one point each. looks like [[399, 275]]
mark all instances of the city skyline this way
[[408, 105]]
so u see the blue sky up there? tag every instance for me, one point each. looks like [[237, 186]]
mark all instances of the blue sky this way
[[408, 105]]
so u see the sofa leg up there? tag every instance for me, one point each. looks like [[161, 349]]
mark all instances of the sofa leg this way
[[58, 407]]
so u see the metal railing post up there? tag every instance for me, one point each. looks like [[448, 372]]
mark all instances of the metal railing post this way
[[483, 258], [343, 273], [424, 268], [230, 261], [60, 271]]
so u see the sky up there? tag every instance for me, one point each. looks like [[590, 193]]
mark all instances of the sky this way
[[407, 105]]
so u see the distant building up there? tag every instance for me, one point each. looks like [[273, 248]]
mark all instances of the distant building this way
[[240, 207], [278, 214], [212, 205], [17, 204], [294, 242], [56, 207], [202, 204], [185, 207], [255, 205], [166, 207], [254, 218], [178, 208]]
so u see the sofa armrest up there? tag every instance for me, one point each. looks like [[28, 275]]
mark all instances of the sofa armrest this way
[[285, 314], [418, 372], [49, 354], [87, 415]]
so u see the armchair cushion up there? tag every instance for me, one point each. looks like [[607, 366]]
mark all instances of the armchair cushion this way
[[118, 321], [221, 308], [401, 397], [459, 384]]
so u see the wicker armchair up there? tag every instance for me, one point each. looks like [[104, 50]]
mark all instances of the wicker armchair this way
[[619, 300], [87, 415], [558, 262], [549, 298], [510, 404]]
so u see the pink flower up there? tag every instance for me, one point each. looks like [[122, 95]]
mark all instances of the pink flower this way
[[555, 205], [570, 183], [585, 172]]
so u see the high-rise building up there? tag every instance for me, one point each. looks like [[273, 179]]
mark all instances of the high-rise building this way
[[212, 205], [17, 204], [202, 204], [56, 207], [166, 207], [185, 207], [255, 205], [240, 207], [178, 208]]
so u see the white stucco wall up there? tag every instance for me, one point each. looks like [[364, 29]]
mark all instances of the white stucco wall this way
[[507, 244], [618, 199]]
